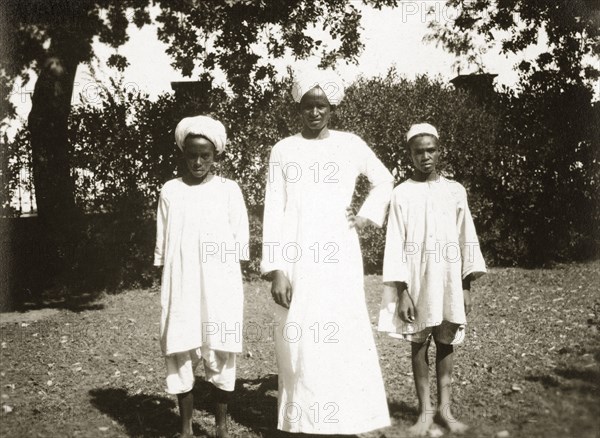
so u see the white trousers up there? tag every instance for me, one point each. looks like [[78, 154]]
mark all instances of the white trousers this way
[[219, 369]]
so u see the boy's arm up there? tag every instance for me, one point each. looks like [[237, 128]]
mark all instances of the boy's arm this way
[[161, 218], [395, 262], [406, 306], [466, 285], [395, 259], [238, 220], [466, 282], [473, 264]]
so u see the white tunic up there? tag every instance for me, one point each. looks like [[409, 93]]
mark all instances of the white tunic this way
[[329, 376], [431, 245], [201, 236]]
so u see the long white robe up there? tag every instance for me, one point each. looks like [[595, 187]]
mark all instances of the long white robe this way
[[329, 375], [431, 245], [201, 236]]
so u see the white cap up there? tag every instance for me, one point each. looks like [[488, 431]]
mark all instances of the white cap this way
[[421, 128], [328, 80]]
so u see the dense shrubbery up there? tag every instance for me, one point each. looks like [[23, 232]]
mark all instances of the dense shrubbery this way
[[530, 169]]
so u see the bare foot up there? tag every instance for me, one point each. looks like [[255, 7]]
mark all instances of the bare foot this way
[[446, 419], [422, 424]]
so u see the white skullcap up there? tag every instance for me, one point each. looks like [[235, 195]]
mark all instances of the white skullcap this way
[[421, 128], [204, 126], [327, 80]]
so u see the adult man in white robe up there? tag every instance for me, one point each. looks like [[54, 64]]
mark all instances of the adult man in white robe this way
[[329, 375]]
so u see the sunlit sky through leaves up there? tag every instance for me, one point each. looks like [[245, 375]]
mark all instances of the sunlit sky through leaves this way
[[392, 38]]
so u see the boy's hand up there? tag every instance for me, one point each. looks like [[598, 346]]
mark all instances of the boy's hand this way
[[466, 285], [406, 307], [357, 222], [281, 289], [467, 300]]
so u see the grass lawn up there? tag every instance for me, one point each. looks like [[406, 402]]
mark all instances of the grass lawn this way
[[529, 365]]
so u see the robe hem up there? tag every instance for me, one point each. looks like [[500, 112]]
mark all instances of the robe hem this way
[[384, 422]]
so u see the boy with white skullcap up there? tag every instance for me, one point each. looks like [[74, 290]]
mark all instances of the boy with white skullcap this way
[[202, 233], [431, 255]]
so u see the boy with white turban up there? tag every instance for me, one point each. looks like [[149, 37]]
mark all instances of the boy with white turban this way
[[329, 376], [202, 233], [431, 255]]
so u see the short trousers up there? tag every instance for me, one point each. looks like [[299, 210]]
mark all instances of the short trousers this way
[[447, 333], [219, 369]]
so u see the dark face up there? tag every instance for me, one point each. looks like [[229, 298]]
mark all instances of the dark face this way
[[199, 154], [315, 110], [425, 152]]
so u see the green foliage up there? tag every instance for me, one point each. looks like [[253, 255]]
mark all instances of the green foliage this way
[[553, 173], [548, 137], [531, 176], [32, 31], [381, 110], [240, 38], [15, 157], [224, 35], [572, 29]]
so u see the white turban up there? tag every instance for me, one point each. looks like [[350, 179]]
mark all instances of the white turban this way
[[327, 80], [204, 126], [421, 128]]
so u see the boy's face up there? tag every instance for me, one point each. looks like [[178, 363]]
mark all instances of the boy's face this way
[[199, 154], [315, 110], [425, 152]]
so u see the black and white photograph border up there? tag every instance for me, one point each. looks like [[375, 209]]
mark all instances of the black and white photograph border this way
[[485, 114]]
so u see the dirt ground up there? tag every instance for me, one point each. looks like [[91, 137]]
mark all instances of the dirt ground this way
[[528, 368]]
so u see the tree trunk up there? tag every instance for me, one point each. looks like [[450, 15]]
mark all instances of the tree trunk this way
[[54, 185]]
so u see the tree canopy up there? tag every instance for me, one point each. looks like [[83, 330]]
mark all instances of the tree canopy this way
[[53, 37], [207, 35], [572, 29]]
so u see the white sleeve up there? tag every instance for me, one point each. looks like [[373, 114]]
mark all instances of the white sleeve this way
[[472, 259], [395, 263], [161, 230], [382, 183], [275, 200], [238, 220]]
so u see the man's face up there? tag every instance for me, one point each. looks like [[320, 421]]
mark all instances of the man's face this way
[[425, 152], [315, 110]]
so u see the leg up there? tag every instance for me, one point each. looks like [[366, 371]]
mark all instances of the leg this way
[[221, 399], [220, 369], [180, 381], [420, 366], [444, 363], [186, 410]]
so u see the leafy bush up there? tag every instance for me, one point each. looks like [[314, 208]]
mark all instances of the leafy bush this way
[[381, 110], [531, 171]]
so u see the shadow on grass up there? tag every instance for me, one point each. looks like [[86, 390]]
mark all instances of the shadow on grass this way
[[586, 381], [587, 375], [141, 414], [74, 302], [253, 406], [403, 412]]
